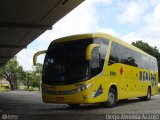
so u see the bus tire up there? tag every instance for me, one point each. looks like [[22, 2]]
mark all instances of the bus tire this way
[[148, 97], [112, 98], [74, 105]]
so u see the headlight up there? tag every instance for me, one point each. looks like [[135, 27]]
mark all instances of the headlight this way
[[67, 92]]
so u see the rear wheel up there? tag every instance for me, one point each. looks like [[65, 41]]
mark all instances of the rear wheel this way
[[112, 98], [74, 105], [148, 97]]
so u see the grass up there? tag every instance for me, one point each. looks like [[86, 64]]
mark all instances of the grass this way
[[24, 88]]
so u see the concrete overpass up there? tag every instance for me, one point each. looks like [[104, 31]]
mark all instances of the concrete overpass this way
[[22, 21]]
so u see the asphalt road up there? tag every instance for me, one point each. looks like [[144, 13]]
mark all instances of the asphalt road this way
[[29, 106]]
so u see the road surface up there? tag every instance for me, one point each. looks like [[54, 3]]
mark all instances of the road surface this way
[[29, 106]]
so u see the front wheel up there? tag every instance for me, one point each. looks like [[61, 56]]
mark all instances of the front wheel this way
[[112, 98]]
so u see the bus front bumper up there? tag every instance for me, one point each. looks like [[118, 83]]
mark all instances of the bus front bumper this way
[[69, 99]]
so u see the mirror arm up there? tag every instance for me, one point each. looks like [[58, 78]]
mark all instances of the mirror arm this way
[[89, 50], [36, 55]]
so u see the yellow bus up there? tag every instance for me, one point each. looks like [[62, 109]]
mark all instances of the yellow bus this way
[[96, 68], [4, 87]]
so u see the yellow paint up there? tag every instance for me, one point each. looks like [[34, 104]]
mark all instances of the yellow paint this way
[[127, 81], [4, 87], [89, 50], [36, 55]]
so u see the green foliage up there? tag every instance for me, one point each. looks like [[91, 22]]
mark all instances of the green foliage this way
[[33, 89], [33, 78], [150, 50], [13, 72]]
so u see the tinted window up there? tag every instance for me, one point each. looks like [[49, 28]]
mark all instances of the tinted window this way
[[113, 56], [98, 56], [101, 41], [65, 62], [95, 62], [121, 54], [147, 64], [143, 61], [130, 58], [154, 66]]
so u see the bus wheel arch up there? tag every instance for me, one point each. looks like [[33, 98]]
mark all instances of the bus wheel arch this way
[[112, 97], [148, 96]]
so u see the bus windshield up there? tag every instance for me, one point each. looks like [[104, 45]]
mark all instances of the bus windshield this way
[[65, 62]]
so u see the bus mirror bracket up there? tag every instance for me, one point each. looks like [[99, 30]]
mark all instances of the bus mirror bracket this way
[[36, 55], [89, 50]]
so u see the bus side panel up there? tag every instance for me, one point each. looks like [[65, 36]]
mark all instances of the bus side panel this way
[[117, 77], [127, 80]]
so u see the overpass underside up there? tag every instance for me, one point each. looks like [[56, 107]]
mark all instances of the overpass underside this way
[[22, 21]]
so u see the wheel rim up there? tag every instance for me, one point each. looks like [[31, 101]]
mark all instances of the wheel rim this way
[[111, 98]]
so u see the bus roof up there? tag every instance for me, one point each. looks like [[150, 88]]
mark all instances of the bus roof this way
[[101, 35], [117, 40]]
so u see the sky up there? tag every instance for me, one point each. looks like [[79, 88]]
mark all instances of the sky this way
[[129, 20]]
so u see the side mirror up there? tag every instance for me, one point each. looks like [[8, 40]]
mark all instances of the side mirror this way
[[89, 50], [36, 55]]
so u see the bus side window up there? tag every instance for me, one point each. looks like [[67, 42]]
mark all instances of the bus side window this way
[[144, 75], [155, 65], [141, 76], [113, 57], [121, 53], [131, 57]]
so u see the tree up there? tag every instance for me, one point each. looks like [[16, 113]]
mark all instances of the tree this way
[[29, 77], [13, 72], [37, 75], [149, 49], [33, 78]]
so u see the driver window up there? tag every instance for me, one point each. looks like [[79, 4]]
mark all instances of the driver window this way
[[95, 63], [97, 60]]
